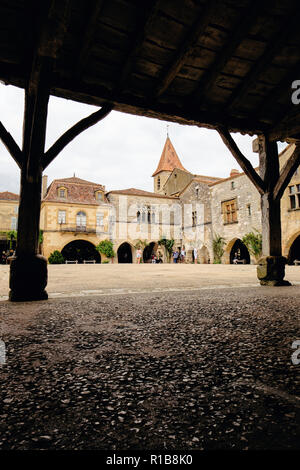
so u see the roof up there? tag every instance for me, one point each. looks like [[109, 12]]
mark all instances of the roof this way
[[138, 192], [8, 196], [190, 62], [78, 191], [169, 159]]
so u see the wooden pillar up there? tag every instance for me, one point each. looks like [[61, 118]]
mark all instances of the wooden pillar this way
[[271, 267], [28, 273]]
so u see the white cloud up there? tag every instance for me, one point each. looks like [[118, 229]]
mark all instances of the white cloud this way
[[121, 151]]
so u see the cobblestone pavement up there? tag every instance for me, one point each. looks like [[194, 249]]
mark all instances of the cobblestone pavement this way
[[70, 280], [188, 370]]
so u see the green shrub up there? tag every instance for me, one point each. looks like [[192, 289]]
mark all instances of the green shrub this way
[[168, 244], [106, 248], [106, 261], [218, 248], [56, 258], [253, 241]]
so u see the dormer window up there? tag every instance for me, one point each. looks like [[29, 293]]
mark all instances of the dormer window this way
[[99, 196], [62, 193]]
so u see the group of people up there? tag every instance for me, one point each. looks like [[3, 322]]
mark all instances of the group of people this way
[[180, 255], [5, 255]]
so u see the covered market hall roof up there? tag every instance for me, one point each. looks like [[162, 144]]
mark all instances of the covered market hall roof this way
[[209, 62]]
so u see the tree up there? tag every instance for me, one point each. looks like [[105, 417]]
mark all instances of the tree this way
[[11, 236], [56, 258], [218, 248], [106, 248], [168, 244], [253, 241]]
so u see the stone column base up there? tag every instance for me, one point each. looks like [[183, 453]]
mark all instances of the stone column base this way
[[28, 278], [271, 271]]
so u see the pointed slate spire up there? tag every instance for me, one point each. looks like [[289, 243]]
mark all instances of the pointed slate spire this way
[[169, 159]]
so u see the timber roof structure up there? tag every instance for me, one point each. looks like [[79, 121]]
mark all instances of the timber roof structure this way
[[208, 63]]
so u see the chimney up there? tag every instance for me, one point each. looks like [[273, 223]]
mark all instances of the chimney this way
[[44, 185], [234, 172]]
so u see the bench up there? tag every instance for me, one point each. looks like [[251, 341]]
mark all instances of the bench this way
[[297, 262], [89, 261], [72, 262]]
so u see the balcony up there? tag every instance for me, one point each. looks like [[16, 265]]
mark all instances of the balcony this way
[[77, 228]]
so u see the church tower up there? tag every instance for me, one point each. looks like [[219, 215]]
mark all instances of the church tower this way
[[168, 161]]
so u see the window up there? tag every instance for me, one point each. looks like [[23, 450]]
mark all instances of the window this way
[[229, 211], [249, 209], [81, 219], [194, 218], [13, 224], [62, 193], [294, 194], [158, 183], [138, 217], [61, 217], [99, 220], [99, 196], [232, 185], [197, 193]]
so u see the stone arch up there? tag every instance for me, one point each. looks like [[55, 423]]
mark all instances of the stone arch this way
[[148, 251], [227, 251], [80, 250], [204, 257], [124, 253], [294, 250], [239, 248], [289, 243]]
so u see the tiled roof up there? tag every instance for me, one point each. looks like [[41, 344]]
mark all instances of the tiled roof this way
[[7, 196], [138, 192], [169, 159], [78, 191]]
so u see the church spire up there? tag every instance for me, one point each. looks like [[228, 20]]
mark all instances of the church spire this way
[[169, 158]]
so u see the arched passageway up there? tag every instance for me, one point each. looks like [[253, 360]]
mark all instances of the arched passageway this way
[[149, 250], [294, 253], [239, 251], [204, 255], [124, 253], [81, 250]]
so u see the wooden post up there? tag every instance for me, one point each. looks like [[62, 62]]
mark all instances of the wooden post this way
[[28, 273], [270, 183], [271, 266]]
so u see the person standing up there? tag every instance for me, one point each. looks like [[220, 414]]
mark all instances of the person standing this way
[[182, 255], [138, 255], [195, 252], [175, 256]]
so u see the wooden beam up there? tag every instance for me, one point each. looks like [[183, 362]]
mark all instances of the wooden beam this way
[[11, 145], [272, 48], [90, 29], [241, 159], [149, 12], [73, 132], [205, 17], [246, 19], [286, 173]]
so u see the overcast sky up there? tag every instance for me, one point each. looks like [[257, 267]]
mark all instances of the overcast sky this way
[[120, 152]]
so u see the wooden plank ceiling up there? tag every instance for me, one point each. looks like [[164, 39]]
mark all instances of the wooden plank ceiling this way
[[206, 62]]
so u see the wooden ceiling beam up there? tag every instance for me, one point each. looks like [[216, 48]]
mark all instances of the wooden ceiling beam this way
[[244, 23], [272, 48], [204, 18], [90, 29], [149, 11]]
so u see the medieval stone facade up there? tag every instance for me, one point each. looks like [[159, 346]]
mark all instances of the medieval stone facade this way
[[191, 209]]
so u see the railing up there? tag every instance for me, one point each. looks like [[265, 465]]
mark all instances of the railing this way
[[77, 228]]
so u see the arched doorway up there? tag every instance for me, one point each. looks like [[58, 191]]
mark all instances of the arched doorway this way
[[81, 250], [204, 255], [124, 253], [148, 251], [294, 253], [241, 251]]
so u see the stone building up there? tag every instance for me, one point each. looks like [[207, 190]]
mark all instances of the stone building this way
[[192, 209], [9, 203]]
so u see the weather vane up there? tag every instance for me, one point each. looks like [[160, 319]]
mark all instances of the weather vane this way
[[168, 130]]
